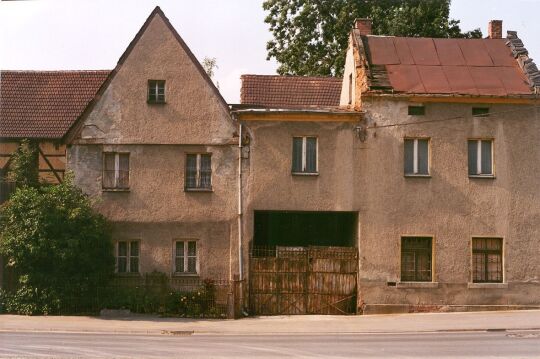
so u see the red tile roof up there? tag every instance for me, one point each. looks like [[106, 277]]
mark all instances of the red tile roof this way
[[445, 66], [290, 91], [44, 104]]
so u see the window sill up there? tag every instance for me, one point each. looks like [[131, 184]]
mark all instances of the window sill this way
[[417, 176], [115, 189], [198, 190], [156, 102], [305, 173], [425, 285], [482, 176], [184, 275], [487, 285]]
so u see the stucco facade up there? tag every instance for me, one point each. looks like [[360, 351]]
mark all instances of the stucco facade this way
[[156, 210]]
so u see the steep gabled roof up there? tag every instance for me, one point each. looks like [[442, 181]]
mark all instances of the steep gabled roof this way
[[75, 129], [44, 104], [476, 67], [275, 91]]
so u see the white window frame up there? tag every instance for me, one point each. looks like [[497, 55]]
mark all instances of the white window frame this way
[[116, 169], [198, 172], [415, 156], [128, 256], [186, 257], [479, 158], [304, 155]]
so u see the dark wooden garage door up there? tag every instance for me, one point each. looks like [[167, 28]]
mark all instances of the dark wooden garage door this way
[[303, 280]]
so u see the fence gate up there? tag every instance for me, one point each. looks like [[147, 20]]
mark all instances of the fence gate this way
[[303, 280]]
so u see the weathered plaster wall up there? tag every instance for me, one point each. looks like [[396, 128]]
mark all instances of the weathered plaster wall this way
[[449, 206], [156, 210]]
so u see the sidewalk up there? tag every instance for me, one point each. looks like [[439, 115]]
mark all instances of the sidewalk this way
[[281, 325]]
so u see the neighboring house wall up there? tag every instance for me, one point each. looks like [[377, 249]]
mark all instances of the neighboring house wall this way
[[156, 211], [449, 206]]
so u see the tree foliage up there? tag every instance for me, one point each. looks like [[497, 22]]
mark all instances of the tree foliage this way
[[209, 65], [310, 36], [57, 245], [24, 166]]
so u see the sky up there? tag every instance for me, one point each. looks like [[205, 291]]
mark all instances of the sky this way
[[92, 34]]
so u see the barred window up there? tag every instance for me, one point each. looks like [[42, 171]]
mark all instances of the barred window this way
[[198, 172], [416, 152], [115, 170], [185, 257], [480, 157], [304, 155], [416, 260], [156, 91], [127, 257], [487, 260]]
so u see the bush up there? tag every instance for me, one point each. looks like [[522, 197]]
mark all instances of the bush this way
[[60, 248]]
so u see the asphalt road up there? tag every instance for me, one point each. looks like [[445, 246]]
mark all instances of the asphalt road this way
[[425, 345]]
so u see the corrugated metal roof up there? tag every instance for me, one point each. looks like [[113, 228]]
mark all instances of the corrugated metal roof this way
[[44, 104], [446, 66]]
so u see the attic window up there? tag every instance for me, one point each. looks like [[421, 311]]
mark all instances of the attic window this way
[[480, 111], [156, 91], [417, 110]]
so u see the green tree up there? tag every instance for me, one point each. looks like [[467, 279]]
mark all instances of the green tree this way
[[24, 165], [310, 36], [209, 65], [57, 244]]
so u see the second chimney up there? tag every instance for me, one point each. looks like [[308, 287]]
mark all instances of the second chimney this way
[[364, 25], [495, 29]]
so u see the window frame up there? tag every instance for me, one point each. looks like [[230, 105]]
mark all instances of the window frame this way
[[350, 88], [197, 187], [128, 256], [304, 172], [415, 158], [479, 158], [432, 260], [485, 253], [156, 100], [186, 257], [115, 186], [480, 111]]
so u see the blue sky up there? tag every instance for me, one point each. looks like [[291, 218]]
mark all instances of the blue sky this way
[[79, 34]]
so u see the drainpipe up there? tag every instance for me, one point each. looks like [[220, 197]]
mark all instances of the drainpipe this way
[[240, 263]]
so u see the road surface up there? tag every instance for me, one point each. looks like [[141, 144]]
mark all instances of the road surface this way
[[519, 344]]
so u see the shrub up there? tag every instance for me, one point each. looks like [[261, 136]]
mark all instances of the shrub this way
[[60, 248]]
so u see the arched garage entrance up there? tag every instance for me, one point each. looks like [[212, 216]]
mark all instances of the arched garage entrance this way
[[304, 263]]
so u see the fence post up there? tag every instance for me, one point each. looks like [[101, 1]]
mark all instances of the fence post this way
[[234, 305]]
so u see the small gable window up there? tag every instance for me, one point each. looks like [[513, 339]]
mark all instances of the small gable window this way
[[156, 91]]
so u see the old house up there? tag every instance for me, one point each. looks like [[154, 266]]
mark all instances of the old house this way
[[427, 166], [41, 106], [158, 148]]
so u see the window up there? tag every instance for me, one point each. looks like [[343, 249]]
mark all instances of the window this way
[[350, 88], [198, 172], [127, 257], [417, 110], [156, 91], [480, 111], [115, 170], [480, 157], [487, 260], [185, 260], [416, 156], [416, 259], [304, 155]]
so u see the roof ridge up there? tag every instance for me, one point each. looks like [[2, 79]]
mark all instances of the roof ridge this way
[[53, 71], [294, 76]]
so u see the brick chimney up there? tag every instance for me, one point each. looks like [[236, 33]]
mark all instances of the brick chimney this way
[[364, 25], [495, 29]]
